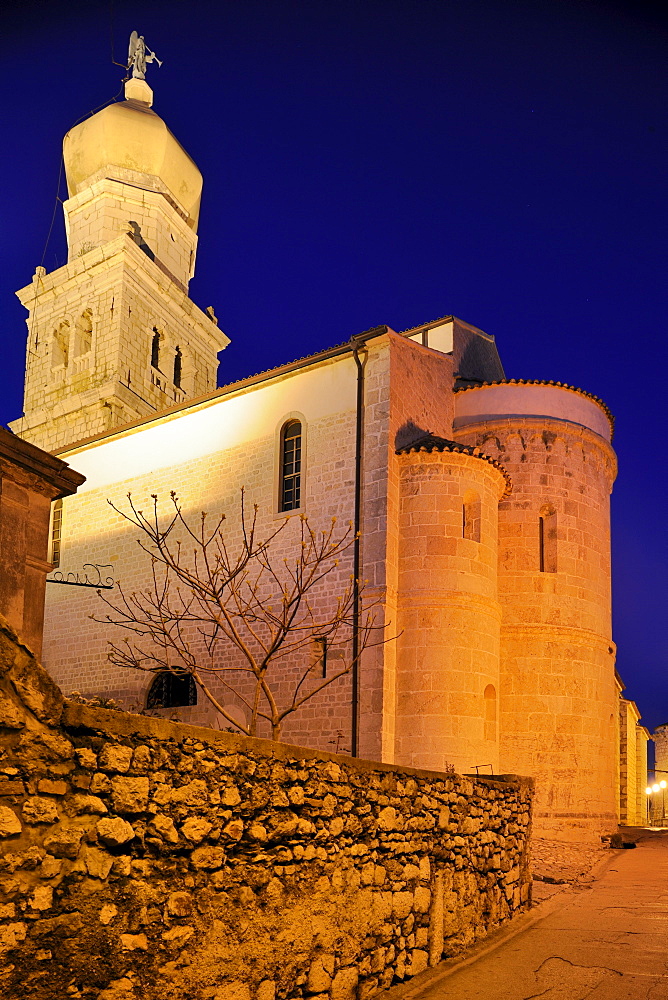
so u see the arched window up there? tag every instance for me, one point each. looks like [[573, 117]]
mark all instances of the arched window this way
[[471, 516], [291, 466], [490, 712], [60, 354], [170, 690], [177, 367], [155, 349], [56, 532], [547, 540], [83, 333]]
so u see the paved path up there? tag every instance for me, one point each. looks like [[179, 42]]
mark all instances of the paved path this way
[[555, 864], [605, 940]]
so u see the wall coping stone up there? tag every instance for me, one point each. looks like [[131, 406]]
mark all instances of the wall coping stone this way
[[58, 478], [106, 721]]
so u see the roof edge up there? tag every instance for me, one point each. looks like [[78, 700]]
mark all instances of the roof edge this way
[[347, 347], [549, 382], [431, 443]]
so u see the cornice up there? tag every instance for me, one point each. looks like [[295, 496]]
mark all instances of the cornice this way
[[27, 465], [567, 633]]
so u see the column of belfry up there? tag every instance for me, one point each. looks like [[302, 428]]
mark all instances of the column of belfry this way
[[112, 335]]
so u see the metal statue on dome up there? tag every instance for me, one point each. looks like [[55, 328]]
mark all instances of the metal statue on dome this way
[[138, 55]]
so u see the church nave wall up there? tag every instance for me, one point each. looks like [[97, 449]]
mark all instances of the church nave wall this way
[[208, 474]]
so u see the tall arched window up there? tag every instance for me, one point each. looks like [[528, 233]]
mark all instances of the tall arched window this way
[[177, 367], [547, 540], [291, 466], [83, 333], [56, 532], [60, 354], [170, 690]]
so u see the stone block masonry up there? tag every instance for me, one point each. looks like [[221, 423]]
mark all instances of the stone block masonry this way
[[141, 858]]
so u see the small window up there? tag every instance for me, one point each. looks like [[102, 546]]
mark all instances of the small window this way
[[56, 532], [490, 712], [170, 690], [291, 465], [547, 540], [471, 516], [155, 349], [177, 367], [320, 655]]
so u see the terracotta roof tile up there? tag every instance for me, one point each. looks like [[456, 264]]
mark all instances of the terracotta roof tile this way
[[540, 381], [432, 442]]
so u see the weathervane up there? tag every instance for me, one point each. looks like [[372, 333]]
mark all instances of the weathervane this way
[[139, 55]]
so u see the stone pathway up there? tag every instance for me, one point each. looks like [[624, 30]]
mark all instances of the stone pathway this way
[[603, 936], [556, 864]]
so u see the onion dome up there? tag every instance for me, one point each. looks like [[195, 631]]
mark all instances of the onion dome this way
[[129, 142]]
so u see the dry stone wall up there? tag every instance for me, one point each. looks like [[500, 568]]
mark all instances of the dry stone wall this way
[[141, 858]]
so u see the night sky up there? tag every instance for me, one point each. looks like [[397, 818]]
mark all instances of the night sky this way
[[393, 162]]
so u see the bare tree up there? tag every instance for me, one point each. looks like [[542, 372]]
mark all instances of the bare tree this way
[[238, 616]]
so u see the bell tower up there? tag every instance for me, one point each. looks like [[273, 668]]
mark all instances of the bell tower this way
[[113, 335]]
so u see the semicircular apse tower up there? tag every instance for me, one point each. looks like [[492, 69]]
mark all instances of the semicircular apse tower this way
[[448, 614], [557, 698]]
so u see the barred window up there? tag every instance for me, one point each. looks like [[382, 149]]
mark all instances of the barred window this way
[[291, 466], [56, 532], [170, 690]]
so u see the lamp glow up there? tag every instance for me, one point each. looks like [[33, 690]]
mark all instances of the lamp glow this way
[[655, 788], [648, 791], [662, 784]]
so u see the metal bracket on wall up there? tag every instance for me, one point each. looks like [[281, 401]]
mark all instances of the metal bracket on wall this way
[[98, 582]]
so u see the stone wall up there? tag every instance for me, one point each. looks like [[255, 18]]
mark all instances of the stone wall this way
[[144, 858], [30, 480], [207, 456], [78, 386], [632, 765], [558, 704], [448, 616]]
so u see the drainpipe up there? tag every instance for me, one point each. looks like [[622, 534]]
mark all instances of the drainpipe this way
[[357, 345]]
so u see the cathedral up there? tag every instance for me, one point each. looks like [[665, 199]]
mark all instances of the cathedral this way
[[481, 503]]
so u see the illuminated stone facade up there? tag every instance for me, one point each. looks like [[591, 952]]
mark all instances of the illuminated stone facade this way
[[657, 808], [112, 335], [484, 503], [30, 479], [632, 765], [559, 711]]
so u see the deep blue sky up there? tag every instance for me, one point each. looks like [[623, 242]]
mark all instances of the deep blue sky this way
[[387, 161]]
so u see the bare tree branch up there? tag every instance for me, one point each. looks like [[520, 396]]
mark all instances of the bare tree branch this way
[[213, 609]]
